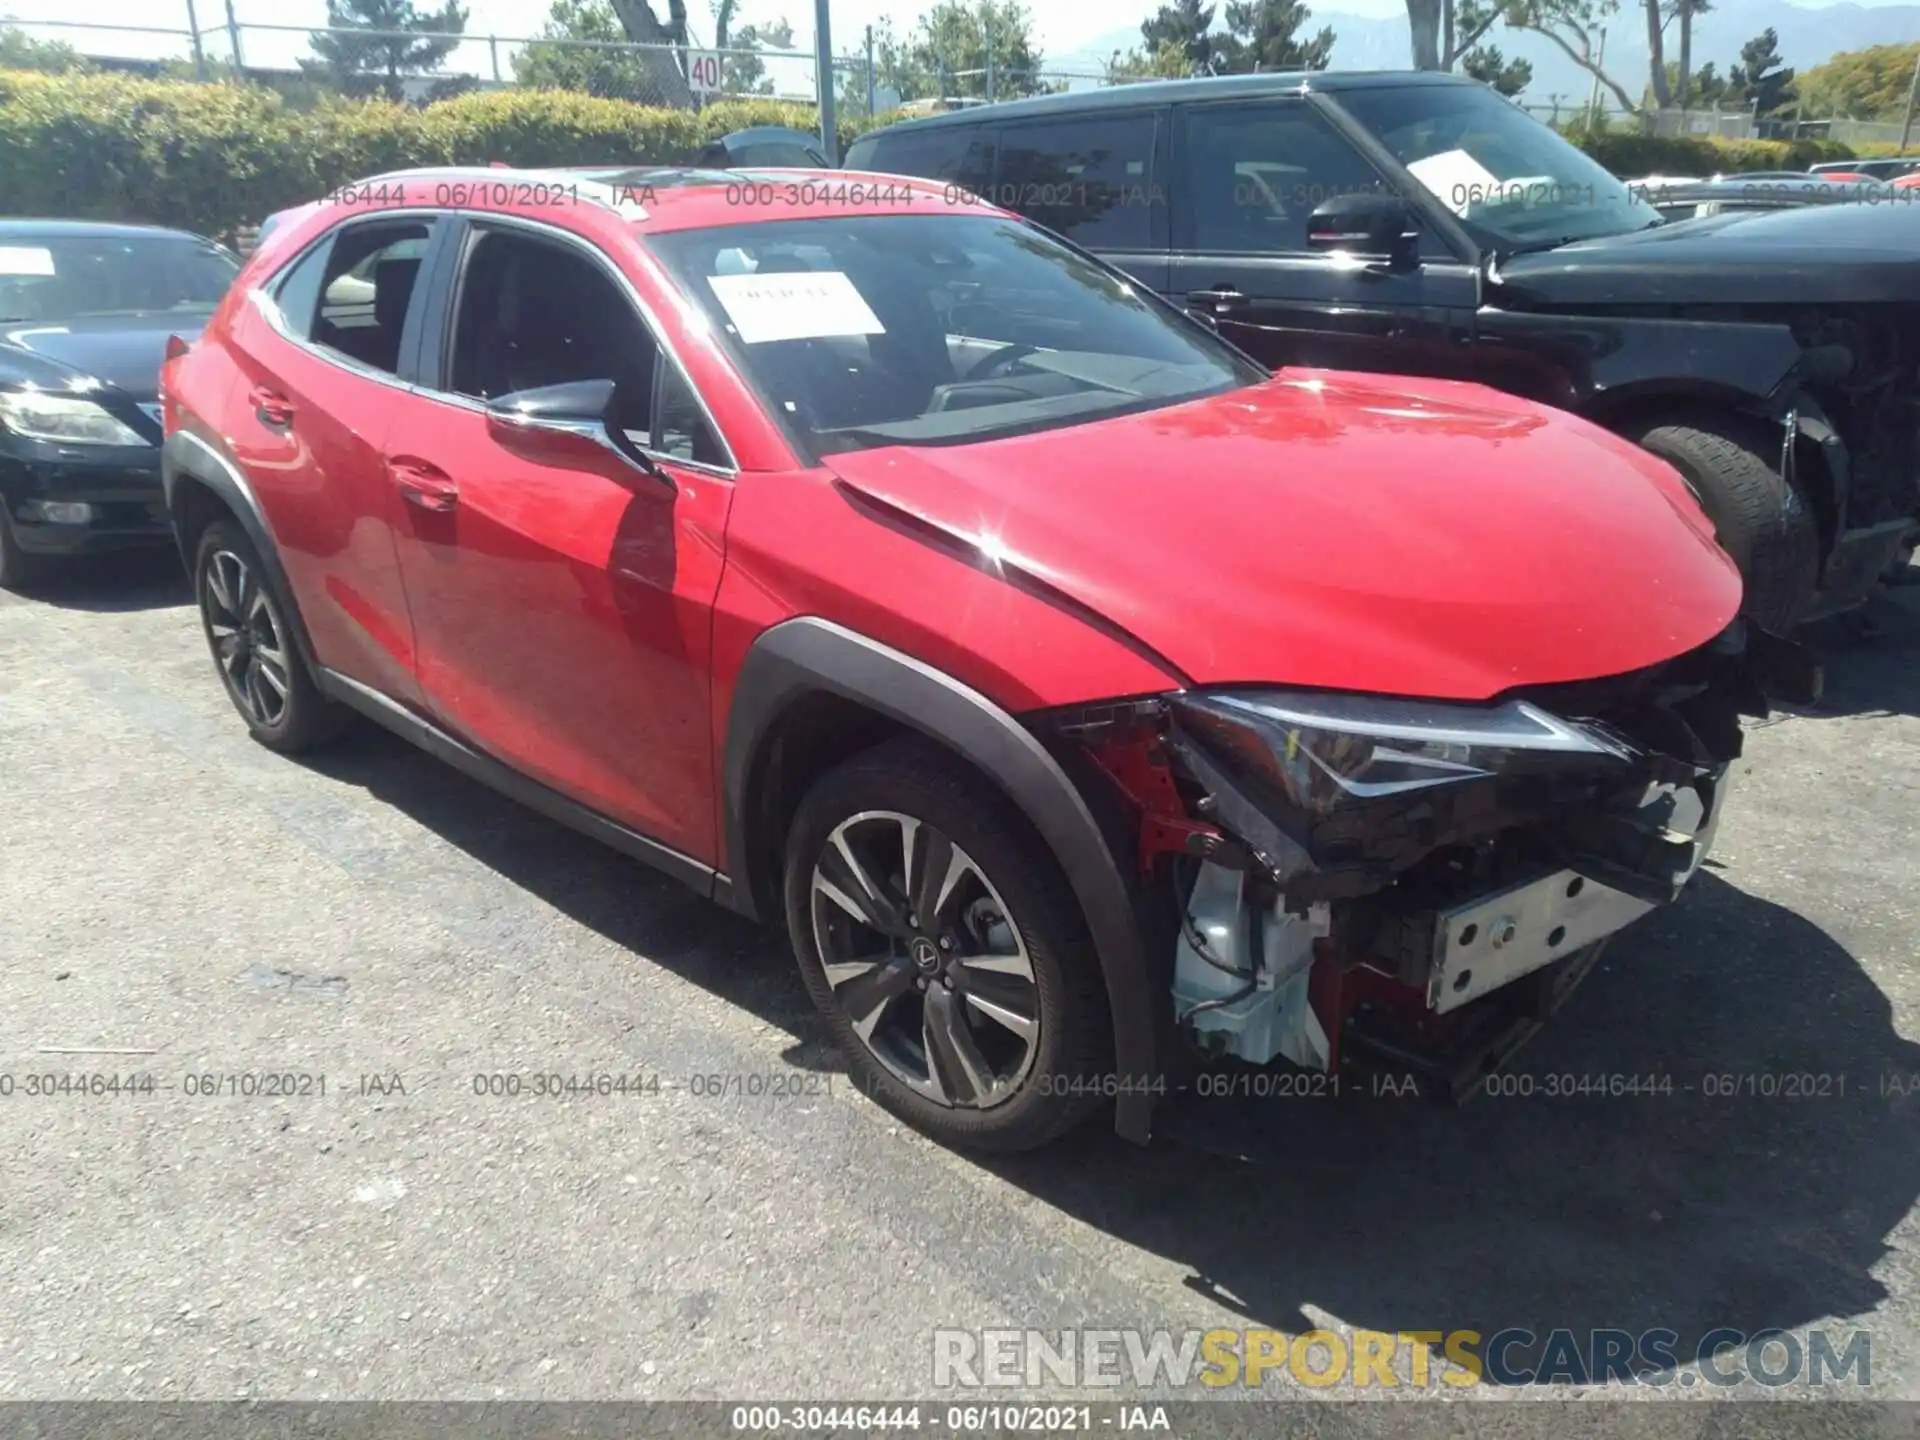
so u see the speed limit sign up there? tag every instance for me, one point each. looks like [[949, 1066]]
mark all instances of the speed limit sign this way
[[703, 72]]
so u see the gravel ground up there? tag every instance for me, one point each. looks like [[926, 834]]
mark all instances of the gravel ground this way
[[173, 891]]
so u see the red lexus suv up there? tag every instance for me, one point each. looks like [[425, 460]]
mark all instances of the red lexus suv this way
[[1091, 706]]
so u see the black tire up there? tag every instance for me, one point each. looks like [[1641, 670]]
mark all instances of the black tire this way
[[19, 571], [1059, 1083], [1768, 526], [302, 719]]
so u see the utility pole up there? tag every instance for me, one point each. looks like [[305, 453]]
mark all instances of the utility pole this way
[[823, 68], [233, 37], [1593, 100], [986, 32], [199, 55], [870, 75], [1913, 94]]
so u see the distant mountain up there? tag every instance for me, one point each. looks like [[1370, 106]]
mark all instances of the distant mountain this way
[[1807, 37]]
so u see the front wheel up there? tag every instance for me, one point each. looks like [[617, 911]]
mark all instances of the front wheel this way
[[1766, 524], [938, 937]]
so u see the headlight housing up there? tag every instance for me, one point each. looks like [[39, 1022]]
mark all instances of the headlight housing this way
[[63, 419], [1331, 752]]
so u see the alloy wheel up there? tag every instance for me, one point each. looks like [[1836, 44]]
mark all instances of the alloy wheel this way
[[924, 959], [248, 640]]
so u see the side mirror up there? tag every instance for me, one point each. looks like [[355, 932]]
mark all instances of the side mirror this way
[[562, 425], [1381, 228]]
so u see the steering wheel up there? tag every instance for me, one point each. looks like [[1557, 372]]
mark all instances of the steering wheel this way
[[989, 366]]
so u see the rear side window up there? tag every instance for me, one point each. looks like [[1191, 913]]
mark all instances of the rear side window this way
[[298, 293], [1090, 179], [961, 155], [351, 293]]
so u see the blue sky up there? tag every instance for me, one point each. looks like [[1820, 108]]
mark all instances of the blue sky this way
[[1064, 27]]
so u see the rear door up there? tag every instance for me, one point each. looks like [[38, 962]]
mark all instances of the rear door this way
[[1249, 173], [1097, 178], [563, 606], [320, 350]]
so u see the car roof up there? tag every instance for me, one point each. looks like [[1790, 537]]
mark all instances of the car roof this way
[[35, 229], [1166, 92], [662, 198]]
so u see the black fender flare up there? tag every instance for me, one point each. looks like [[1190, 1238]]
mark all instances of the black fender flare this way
[[187, 456], [810, 655]]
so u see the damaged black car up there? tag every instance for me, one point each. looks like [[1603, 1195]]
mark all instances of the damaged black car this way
[[1422, 224]]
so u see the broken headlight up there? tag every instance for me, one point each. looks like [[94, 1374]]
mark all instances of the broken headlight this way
[[1328, 752]]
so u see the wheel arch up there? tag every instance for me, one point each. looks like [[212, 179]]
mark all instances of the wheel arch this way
[[201, 485], [808, 668], [1819, 463]]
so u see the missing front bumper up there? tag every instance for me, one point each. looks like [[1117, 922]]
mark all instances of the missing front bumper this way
[[1487, 943], [1482, 944]]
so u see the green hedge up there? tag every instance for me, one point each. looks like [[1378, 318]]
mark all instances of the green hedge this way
[[1631, 156], [213, 157], [217, 156]]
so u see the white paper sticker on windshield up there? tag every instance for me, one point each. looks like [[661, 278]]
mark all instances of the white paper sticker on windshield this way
[[794, 305], [1456, 177], [25, 260]]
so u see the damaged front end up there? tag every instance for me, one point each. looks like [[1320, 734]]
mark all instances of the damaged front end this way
[[1420, 880]]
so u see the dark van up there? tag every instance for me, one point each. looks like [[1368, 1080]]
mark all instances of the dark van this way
[[1420, 223]]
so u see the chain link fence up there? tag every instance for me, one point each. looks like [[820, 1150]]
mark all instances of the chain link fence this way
[[654, 74]]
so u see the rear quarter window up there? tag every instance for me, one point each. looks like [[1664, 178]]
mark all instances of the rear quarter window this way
[[960, 155], [1090, 178]]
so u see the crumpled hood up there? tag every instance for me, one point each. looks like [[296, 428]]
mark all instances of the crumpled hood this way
[[1855, 253], [1410, 537]]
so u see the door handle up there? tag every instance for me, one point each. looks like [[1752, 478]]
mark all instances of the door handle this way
[[1221, 298], [424, 485], [270, 407]]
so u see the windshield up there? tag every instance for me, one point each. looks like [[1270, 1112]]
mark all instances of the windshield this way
[[937, 329], [1516, 182], [62, 277]]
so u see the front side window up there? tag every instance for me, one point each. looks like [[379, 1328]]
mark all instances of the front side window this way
[[1516, 183], [534, 312], [961, 155], [1255, 173], [72, 277], [1091, 179], [937, 329]]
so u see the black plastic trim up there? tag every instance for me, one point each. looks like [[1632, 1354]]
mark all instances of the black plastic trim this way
[[806, 656], [409, 725], [188, 455]]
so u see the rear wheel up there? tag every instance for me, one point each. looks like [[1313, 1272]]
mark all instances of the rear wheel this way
[[946, 950], [246, 629], [1767, 525]]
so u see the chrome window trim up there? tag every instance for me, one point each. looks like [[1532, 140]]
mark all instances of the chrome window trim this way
[[647, 315], [264, 297]]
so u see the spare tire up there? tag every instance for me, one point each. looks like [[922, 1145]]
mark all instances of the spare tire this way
[[1766, 524]]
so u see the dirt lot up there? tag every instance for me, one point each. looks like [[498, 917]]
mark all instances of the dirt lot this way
[[173, 891]]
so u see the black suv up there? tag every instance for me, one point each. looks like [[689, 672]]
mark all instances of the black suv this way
[[1421, 224]]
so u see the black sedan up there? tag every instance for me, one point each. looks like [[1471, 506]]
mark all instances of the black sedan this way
[[85, 312]]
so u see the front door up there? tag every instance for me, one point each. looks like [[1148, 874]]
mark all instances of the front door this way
[[1249, 174], [562, 603]]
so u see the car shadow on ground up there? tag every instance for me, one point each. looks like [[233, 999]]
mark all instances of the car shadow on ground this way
[[1741, 1198], [116, 581], [1733, 1197]]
